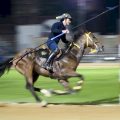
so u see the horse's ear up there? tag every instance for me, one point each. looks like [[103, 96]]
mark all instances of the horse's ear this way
[[77, 34], [82, 30], [86, 31]]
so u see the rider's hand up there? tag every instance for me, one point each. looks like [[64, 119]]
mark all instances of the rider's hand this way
[[66, 31]]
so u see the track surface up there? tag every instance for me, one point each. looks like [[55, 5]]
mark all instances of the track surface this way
[[34, 111]]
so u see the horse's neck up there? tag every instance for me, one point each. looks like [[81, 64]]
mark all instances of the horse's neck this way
[[75, 55], [78, 51]]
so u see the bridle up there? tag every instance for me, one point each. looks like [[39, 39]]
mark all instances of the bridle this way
[[88, 38]]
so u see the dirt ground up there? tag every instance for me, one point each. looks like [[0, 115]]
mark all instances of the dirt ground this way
[[99, 65], [59, 112]]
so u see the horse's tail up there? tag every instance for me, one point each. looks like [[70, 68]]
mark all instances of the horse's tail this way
[[6, 65]]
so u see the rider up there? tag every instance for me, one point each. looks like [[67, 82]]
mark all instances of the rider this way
[[57, 29]]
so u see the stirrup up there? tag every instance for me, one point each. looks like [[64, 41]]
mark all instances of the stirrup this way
[[47, 67], [50, 69]]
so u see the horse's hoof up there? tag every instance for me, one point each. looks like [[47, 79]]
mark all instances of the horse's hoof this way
[[59, 92], [79, 82], [71, 91], [43, 103], [77, 88], [47, 93]]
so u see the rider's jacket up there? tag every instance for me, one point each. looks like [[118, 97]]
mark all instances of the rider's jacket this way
[[56, 29]]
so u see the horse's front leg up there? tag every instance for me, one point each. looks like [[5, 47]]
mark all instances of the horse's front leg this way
[[65, 84], [79, 83]]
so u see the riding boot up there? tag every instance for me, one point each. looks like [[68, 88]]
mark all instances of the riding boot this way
[[48, 64]]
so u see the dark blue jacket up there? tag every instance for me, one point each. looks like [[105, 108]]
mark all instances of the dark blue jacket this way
[[56, 30]]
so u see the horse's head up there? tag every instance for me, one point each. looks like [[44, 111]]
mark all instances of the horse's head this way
[[88, 40], [92, 42]]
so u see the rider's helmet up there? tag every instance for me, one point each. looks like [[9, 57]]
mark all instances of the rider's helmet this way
[[64, 16]]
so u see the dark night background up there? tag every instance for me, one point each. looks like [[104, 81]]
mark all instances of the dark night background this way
[[106, 24]]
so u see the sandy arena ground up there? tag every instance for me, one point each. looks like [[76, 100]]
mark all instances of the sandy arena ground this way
[[59, 112], [99, 65]]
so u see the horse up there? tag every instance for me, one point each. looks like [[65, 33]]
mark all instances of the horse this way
[[64, 67]]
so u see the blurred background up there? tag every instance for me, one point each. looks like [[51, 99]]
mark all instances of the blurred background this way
[[27, 23]]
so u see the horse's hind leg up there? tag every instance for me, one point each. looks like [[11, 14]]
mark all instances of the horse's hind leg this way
[[26, 69], [35, 77], [31, 89], [29, 85], [45, 92]]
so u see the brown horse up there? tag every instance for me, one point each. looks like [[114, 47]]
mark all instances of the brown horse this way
[[64, 67]]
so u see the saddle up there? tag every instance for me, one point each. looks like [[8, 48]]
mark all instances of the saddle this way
[[43, 53]]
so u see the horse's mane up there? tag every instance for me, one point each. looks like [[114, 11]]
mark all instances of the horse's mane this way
[[77, 34]]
